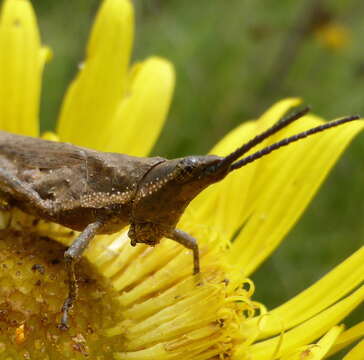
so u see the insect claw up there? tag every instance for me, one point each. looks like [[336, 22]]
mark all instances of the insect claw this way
[[63, 325]]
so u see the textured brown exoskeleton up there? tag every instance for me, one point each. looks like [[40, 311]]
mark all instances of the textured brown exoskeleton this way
[[100, 193]]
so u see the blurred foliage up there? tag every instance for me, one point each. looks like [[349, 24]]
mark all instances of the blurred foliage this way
[[233, 60]]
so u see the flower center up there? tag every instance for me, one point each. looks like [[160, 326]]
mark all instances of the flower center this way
[[33, 286]]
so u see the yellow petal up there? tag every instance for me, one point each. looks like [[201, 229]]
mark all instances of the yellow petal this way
[[143, 110], [22, 59], [219, 207], [287, 181], [93, 96], [303, 334], [51, 136], [356, 353], [336, 284], [319, 350], [348, 337]]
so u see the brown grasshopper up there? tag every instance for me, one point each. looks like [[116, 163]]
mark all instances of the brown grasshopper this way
[[100, 193]]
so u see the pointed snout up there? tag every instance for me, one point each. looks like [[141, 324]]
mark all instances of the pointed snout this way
[[217, 169]]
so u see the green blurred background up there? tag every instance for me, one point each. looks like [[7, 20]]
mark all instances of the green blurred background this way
[[234, 59]]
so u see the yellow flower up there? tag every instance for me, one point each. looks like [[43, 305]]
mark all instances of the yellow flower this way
[[156, 309], [333, 36]]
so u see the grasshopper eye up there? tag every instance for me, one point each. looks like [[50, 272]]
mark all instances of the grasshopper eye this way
[[185, 170]]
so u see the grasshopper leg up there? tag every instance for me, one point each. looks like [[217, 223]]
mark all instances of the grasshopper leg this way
[[72, 256], [21, 191], [190, 243]]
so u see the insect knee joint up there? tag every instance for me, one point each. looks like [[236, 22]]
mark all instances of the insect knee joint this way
[[69, 257]]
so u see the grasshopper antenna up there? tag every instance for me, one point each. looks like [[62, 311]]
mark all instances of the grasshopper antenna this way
[[228, 160], [267, 150]]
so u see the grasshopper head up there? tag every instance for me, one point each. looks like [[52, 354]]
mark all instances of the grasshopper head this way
[[169, 187], [198, 170]]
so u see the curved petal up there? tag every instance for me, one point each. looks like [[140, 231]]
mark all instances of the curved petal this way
[[325, 292], [302, 334], [22, 59], [219, 207], [105, 69], [51, 136], [319, 350], [356, 353], [348, 337], [287, 181], [145, 107]]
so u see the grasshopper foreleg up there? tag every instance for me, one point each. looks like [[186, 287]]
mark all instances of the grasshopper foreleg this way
[[72, 256], [189, 242]]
